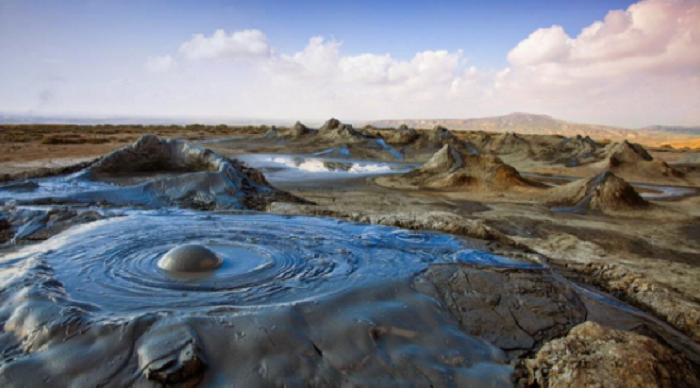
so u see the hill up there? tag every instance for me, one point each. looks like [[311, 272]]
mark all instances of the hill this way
[[527, 123]]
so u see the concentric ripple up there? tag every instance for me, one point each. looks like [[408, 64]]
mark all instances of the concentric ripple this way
[[267, 259]]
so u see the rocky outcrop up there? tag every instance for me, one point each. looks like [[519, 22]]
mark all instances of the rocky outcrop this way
[[455, 169], [604, 192], [516, 309], [595, 356], [203, 179]]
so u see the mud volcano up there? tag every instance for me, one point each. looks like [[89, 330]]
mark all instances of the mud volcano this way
[[155, 173], [295, 299], [452, 168]]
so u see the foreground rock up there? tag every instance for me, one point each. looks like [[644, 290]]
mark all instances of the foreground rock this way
[[604, 192], [454, 169], [196, 178], [595, 356]]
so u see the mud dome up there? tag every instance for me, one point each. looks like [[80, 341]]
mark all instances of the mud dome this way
[[267, 259]]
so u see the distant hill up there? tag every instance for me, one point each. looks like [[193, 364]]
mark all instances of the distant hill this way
[[677, 129], [527, 123]]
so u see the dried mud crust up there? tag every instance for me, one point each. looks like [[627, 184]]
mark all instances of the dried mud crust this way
[[636, 289], [517, 310]]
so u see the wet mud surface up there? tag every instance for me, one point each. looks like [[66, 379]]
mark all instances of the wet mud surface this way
[[267, 259]]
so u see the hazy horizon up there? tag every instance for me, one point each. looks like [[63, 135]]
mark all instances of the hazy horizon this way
[[617, 63]]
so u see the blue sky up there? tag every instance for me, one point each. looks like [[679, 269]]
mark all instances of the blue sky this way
[[88, 57]]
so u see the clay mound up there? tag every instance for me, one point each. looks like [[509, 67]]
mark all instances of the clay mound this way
[[298, 130], [452, 168], [574, 151], [628, 152], [272, 132], [633, 161], [402, 135], [441, 136], [509, 143], [604, 192], [596, 356], [204, 179], [334, 130]]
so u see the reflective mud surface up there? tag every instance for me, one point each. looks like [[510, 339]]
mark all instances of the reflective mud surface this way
[[290, 168], [267, 259], [49, 187]]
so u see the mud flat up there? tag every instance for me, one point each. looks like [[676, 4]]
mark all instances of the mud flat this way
[[461, 271]]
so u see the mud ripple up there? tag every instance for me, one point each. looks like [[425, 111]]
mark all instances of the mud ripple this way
[[267, 259]]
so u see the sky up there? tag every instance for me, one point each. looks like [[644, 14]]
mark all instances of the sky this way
[[622, 63]]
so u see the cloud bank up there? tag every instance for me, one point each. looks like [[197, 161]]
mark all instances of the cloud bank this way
[[239, 44], [635, 67]]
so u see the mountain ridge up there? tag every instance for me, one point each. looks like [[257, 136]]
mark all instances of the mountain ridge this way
[[540, 124]]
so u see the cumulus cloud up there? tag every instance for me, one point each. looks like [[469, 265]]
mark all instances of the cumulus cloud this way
[[322, 59], [239, 44], [634, 65], [542, 46], [160, 63], [650, 36]]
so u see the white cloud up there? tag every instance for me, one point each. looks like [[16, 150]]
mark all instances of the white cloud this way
[[652, 36], [160, 63], [240, 44], [638, 66], [323, 61], [542, 46]]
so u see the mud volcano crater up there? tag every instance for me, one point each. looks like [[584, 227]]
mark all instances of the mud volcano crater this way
[[190, 261]]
